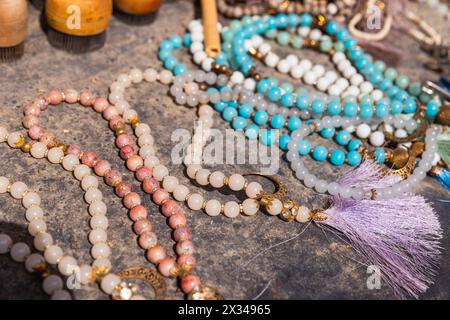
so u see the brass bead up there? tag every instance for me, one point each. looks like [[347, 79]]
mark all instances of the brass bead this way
[[443, 117], [26, 148], [134, 122], [399, 158], [418, 148], [120, 131]]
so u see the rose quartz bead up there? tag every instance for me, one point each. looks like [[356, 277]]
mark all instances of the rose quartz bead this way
[[115, 121], [32, 109], [189, 283], [142, 226], [156, 254], [167, 267], [143, 173], [126, 152], [181, 234], [100, 104], [123, 188], [134, 162], [30, 120], [55, 97], [150, 185], [71, 96], [160, 195], [89, 158], [102, 167], [171, 207], [87, 98], [35, 132], [187, 261], [131, 200], [138, 212], [110, 112], [47, 138], [148, 240], [123, 140], [41, 101], [185, 247], [113, 177], [177, 220], [74, 149]]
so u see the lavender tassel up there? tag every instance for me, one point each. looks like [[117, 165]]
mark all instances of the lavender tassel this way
[[401, 236]]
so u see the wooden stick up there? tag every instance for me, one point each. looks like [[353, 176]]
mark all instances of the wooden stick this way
[[212, 37]]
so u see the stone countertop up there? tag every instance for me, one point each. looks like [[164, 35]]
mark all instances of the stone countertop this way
[[247, 257]]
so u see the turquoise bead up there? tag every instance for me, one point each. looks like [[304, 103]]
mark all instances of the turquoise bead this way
[[415, 88], [274, 94], [381, 110], [342, 34], [271, 34], [306, 19], [361, 63], [302, 91], [219, 106], [396, 107], [287, 86], [392, 91], [334, 108], [343, 137], [166, 45], [432, 109], [229, 113], [350, 109], [284, 142], [339, 46], [380, 155], [302, 102], [318, 106], [177, 41], [353, 158], [272, 82], [410, 105], [380, 65], [401, 95], [287, 99], [355, 53], [424, 97], [327, 133], [390, 73], [170, 62], [261, 117], [294, 123], [354, 144], [350, 98], [320, 153], [239, 123], [263, 86], [349, 43], [245, 110], [332, 27], [366, 99], [235, 24], [385, 84], [277, 121], [402, 81], [267, 137], [282, 20], [252, 131], [283, 38], [179, 70], [293, 20], [304, 147], [297, 42], [376, 77], [164, 54], [187, 40], [337, 157], [366, 111]]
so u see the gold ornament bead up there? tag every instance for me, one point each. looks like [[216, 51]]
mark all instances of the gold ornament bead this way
[[26, 148], [400, 157], [20, 142], [443, 117], [120, 131], [418, 148]]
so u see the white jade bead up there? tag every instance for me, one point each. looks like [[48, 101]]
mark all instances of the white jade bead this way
[[213, 207], [159, 172], [146, 139], [322, 84], [5, 243], [100, 250], [92, 195], [249, 84], [366, 87], [202, 177], [231, 209], [4, 183], [109, 283], [97, 235], [363, 131], [61, 295], [377, 94], [142, 129], [165, 77], [137, 297], [195, 47], [297, 72], [18, 189], [3, 134], [195, 201], [38, 150], [13, 138], [236, 182], [319, 70], [356, 79], [169, 183], [275, 207], [20, 251], [37, 226], [237, 77], [52, 283], [271, 60], [338, 57], [85, 274], [216, 179], [53, 254], [32, 261], [283, 66], [70, 161], [180, 192], [151, 161], [376, 138], [31, 199], [55, 155], [102, 263], [302, 215], [250, 207], [42, 241], [99, 221], [121, 106], [292, 59], [400, 133], [253, 189], [146, 151], [81, 171], [97, 207], [89, 182], [67, 265], [192, 170], [199, 56], [124, 79], [309, 77], [136, 76], [264, 48], [129, 114]]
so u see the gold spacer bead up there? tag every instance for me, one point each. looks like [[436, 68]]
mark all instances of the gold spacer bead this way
[[119, 132], [26, 148], [134, 121], [20, 143]]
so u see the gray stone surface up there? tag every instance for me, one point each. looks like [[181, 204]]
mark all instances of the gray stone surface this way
[[311, 266]]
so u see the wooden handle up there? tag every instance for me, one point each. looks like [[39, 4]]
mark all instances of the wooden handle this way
[[137, 7], [212, 37], [13, 22]]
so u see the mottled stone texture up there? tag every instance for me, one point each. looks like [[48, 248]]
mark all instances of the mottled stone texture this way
[[310, 266]]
